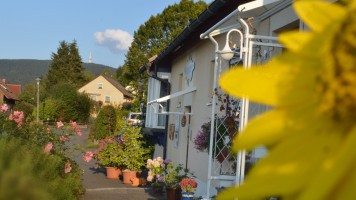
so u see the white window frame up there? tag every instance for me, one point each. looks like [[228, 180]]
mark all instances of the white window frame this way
[[93, 97], [100, 85], [153, 92], [109, 99]]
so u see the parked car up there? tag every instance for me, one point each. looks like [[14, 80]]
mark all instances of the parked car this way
[[134, 118]]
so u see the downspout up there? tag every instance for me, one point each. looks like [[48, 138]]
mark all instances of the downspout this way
[[154, 76], [212, 115]]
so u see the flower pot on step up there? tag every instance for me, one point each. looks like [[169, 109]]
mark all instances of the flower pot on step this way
[[131, 177], [173, 193], [187, 195], [113, 173]]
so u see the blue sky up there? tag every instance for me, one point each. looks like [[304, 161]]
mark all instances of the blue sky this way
[[32, 29]]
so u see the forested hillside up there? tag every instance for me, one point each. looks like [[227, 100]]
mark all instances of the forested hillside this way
[[23, 71]]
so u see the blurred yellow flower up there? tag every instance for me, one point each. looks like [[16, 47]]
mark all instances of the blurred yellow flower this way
[[311, 133]]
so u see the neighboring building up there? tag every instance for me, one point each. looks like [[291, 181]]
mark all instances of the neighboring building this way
[[16, 89], [7, 95], [106, 90], [183, 78]]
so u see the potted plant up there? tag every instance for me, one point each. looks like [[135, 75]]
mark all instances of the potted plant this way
[[109, 155], [134, 154], [164, 171], [155, 167], [188, 187]]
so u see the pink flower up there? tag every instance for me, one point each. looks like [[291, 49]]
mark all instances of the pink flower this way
[[48, 129], [68, 168], [63, 138], [4, 108], [19, 124], [11, 117], [48, 147], [74, 124], [88, 156], [59, 124], [17, 113], [95, 166], [149, 178], [79, 132]]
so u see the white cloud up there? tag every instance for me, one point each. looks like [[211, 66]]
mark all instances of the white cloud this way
[[116, 40]]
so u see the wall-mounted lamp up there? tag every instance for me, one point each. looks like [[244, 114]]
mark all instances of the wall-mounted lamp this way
[[226, 53]]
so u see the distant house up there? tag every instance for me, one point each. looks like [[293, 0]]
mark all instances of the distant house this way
[[15, 88], [106, 90], [7, 95]]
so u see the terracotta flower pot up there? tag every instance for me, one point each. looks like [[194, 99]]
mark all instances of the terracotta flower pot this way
[[173, 193], [131, 177], [113, 173]]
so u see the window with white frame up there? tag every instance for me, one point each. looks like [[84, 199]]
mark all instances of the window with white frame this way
[[100, 86], [155, 91], [107, 99], [93, 97]]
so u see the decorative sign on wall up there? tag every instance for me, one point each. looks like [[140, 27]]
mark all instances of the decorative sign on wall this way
[[188, 70], [176, 133], [171, 132], [184, 120]]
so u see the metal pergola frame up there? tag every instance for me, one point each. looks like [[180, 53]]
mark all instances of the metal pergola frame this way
[[246, 52]]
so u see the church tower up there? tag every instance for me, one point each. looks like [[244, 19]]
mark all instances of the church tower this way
[[90, 57]]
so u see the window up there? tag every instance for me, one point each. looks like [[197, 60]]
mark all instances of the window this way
[[93, 97], [100, 86], [163, 92], [107, 99]]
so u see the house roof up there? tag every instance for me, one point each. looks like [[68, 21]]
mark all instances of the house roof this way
[[15, 88], [9, 94], [118, 86], [190, 36]]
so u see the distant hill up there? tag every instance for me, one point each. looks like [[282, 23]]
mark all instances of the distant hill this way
[[23, 71]]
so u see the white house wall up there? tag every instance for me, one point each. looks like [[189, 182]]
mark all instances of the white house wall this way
[[203, 56]]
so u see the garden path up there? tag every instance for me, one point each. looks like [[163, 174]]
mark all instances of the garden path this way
[[98, 187]]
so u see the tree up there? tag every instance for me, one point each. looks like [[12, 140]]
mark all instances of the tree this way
[[104, 125], [66, 66], [29, 92], [155, 35]]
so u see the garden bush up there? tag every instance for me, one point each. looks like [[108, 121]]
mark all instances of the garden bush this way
[[28, 173], [35, 161], [105, 123], [27, 108], [72, 105]]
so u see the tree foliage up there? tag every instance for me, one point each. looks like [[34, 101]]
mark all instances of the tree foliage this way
[[66, 66], [104, 125], [155, 35], [65, 103]]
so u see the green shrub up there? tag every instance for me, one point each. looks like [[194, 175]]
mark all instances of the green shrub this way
[[74, 105], [27, 108], [105, 123], [134, 151], [28, 173]]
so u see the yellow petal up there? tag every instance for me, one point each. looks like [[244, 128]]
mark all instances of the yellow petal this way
[[295, 41], [264, 131], [282, 82], [346, 187], [333, 169], [318, 14], [288, 165]]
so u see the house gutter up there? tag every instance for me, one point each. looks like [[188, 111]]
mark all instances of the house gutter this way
[[204, 17]]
